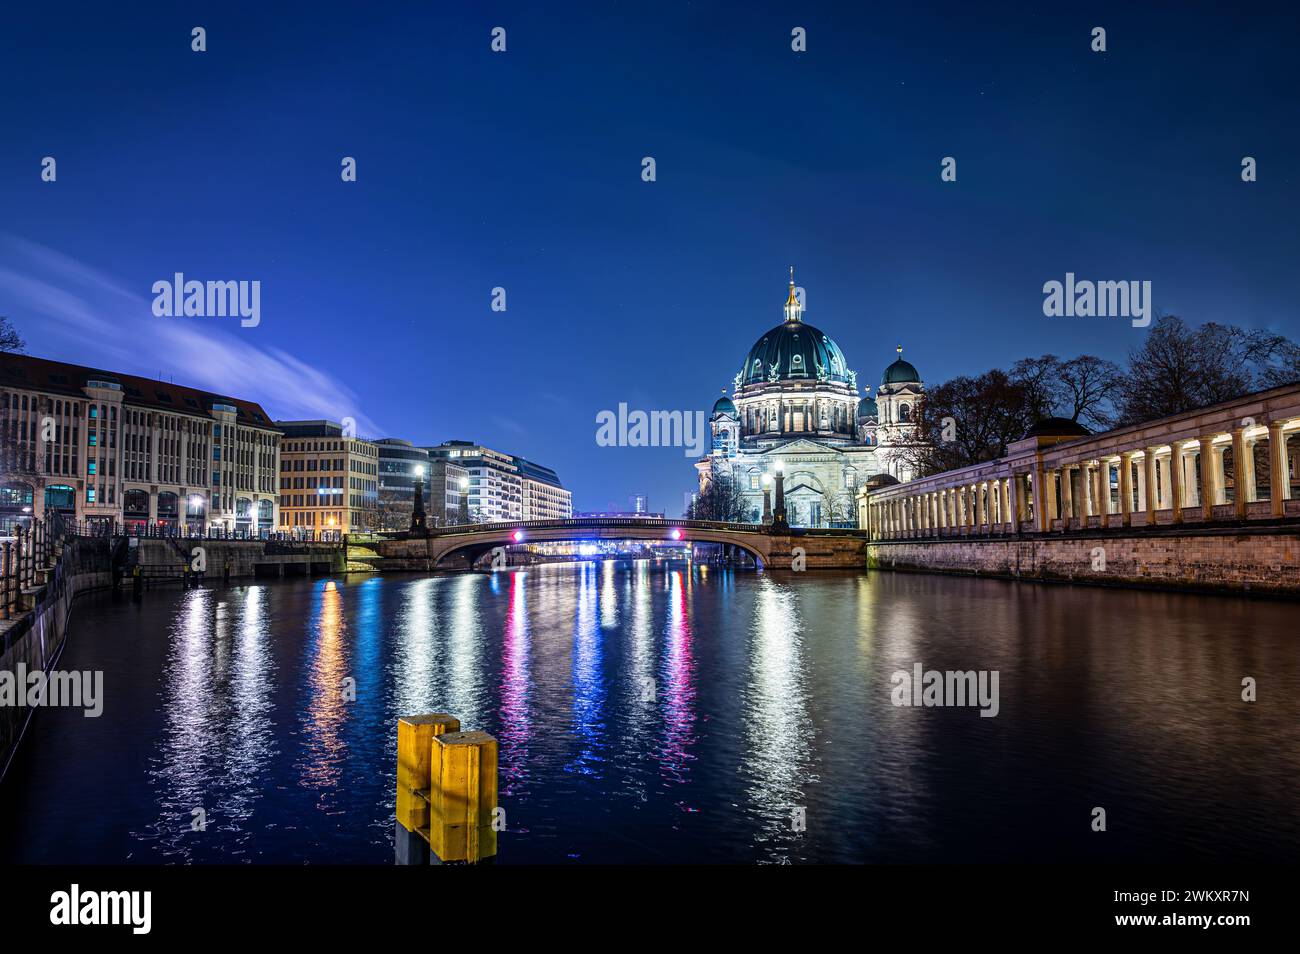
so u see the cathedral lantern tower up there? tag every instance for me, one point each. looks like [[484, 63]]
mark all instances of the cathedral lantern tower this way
[[899, 402]]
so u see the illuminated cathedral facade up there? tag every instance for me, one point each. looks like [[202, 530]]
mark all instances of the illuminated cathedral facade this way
[[796, 408]]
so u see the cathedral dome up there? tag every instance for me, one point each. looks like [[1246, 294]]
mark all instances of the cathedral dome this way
[[794, 351], [901, 372], [723, 405], [867, 408]]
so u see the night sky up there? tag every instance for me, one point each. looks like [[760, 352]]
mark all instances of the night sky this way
[[523, 170]]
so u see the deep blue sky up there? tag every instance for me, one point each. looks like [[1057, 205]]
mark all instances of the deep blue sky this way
[[523, 170]]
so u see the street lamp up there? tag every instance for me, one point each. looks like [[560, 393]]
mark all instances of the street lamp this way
[[418, 522], [778, 512], [766, 480]]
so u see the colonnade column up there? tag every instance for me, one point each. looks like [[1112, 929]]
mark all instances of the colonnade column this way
[[1176, 475], [1149, 496], [1067, 496], [1208, 463], [1101, 491], [1279, 486], [1126, 488], [1240, 491]]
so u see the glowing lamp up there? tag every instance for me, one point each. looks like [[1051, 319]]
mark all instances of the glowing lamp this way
[[676, 534], [767, 480], [419, 471], [778, 466], [464, 483], [517, 536]]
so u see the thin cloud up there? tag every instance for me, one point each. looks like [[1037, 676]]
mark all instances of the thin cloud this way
[[69, 299]]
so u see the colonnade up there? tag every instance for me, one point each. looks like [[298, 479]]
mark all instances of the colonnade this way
[[1071, 483]]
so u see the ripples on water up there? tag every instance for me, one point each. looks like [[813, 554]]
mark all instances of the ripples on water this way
[[679, 715]]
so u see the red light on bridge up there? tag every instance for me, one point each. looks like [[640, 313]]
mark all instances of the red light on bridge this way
[[517, 536], [676, 534]]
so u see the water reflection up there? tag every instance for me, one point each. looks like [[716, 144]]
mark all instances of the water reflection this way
[[588, 684], [678, 671], [217, 734], [320, 766], [516, 692], [779, 732], [769, 693]]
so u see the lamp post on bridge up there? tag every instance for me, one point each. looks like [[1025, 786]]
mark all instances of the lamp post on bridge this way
[[419, 523], [779, 523], [766, 481], [463, 516]]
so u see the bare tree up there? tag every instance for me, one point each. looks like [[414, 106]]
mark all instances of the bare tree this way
[[1084, 389], [967, 421], [1178, 368], [720, 500], [11, 342], [1090, 388]]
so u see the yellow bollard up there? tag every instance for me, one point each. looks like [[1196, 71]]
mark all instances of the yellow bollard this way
[[415, 735], [463, 796]]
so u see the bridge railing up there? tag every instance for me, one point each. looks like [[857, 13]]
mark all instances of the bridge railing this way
[[600, 523]]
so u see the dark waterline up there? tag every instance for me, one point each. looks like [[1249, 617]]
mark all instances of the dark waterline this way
[[771, 693]]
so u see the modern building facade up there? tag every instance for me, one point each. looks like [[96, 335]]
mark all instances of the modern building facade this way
[[119, 449], [329, 481], [503, 487], [543, 496], [401, 464], [796, 407]]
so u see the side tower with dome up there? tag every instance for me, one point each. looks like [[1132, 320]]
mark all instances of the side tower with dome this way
[[795, 405]]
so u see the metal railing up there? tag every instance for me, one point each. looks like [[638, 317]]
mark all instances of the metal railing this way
[[26, 557]]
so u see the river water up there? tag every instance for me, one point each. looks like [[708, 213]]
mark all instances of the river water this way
[[674, 715]]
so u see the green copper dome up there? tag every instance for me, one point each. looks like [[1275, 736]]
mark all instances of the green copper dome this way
[[900, 372], [795, 351], [723, 405], [867, 408]]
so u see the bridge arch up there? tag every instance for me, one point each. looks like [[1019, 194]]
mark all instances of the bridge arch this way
[[451, 550]]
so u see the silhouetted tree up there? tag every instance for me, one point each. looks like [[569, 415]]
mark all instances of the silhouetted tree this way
[[1178, 368], [10, 340], [721, 500]]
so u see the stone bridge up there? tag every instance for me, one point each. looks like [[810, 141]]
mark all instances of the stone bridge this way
[[459, 547]]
